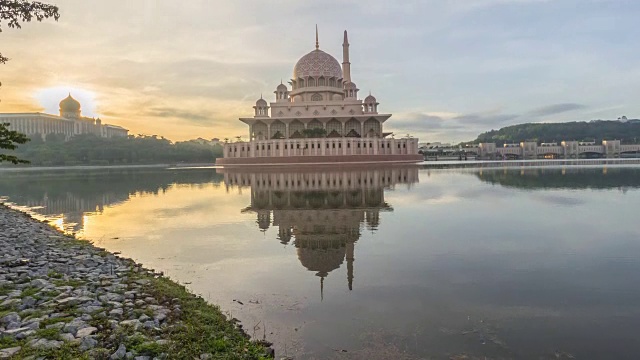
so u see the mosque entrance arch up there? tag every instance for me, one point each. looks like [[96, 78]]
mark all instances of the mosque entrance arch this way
[[352, 128]]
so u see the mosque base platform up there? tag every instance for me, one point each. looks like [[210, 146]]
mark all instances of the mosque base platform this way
[[320, 160]]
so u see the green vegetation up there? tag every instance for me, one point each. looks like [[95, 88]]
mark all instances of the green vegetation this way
[[90, 149], [204, 328], [569, 179], [627, 132]]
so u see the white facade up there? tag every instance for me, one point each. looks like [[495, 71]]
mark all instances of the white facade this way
[[69, 123], [319, 113]]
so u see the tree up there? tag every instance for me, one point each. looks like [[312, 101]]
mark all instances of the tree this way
[[8, 140], [14, 12]]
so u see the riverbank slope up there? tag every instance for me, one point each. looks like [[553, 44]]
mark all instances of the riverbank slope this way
[[63, 298]]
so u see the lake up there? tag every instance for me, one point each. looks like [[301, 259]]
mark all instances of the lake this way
[[495, 261]]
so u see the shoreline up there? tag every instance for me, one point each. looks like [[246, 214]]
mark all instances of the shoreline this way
[[64, 298]]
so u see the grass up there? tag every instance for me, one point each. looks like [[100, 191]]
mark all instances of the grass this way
[[54, 274], [29, 291], [49, 334], [204, 328], [51, 321], [70, 282]]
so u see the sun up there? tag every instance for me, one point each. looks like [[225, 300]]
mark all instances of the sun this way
[[49, 99]]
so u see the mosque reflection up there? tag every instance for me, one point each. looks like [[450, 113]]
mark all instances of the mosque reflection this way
[[322, 212]]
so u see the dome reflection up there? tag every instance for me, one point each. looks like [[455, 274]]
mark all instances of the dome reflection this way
[[322, 212]]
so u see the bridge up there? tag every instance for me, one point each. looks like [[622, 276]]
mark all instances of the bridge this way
[[532, 150]]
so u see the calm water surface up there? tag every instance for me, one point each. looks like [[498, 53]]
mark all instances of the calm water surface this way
[[380, 263]]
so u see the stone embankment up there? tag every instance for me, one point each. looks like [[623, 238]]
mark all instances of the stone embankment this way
[[62, 298]]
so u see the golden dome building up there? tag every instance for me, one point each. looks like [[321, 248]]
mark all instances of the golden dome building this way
[[69, 123]]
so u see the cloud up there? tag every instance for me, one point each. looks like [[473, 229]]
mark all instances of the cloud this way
[[166, 67], [486, 119], [555, 109], [417, 121], [175, 113]]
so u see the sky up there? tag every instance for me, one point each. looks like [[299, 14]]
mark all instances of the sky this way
[[446, 69]]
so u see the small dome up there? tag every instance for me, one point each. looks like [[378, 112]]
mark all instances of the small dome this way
[[350, 85], [69, 104], [370, 99], [317, 63], [282, 87], [261, 102]]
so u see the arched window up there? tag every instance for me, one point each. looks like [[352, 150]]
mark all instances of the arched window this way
[[316, 97], [321, 81], [311, 82]]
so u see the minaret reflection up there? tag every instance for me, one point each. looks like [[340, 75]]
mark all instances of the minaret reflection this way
[[323, 211]]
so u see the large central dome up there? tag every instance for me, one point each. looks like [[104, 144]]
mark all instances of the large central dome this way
[[317, 63]]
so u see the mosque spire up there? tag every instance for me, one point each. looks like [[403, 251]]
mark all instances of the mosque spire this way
[[346, 65], [321, 289], [317, 42], [350, 259]]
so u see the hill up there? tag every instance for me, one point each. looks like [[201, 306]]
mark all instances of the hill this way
[[596, 130]]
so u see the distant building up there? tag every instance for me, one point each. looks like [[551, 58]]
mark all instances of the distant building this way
[[69, 123]]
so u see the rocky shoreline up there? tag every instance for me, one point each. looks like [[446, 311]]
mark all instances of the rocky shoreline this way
[[63, 298]]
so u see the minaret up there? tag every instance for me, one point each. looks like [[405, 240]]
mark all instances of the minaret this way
[[350, 258], [317, 42], [346, 65]]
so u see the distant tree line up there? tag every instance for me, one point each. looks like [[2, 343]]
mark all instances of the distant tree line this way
[[90, 149], [597, 130], [571, 179]]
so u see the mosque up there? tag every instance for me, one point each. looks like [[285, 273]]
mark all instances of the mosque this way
[[319, 118], [69, 123]]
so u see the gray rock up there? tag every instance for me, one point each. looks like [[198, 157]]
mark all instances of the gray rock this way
[[67, 337], [88, 343], [7, 353], [74, 326], [111, 297], [142, 358], [10, 303], [86, 332], [90, 309], [58, 326], [149, 324], [133, 323], [9, 318], [116, 312], [44, 344], [144, 318], [14, 332], [13, 325], [25, 334], [28, 302], [34, 325], [120, 353], [39, 283]]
